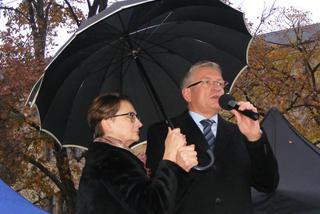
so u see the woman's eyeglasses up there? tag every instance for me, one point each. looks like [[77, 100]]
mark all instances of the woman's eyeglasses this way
[[131, 115]]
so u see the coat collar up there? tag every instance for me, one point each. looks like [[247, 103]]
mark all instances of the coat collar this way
[[111, 141]]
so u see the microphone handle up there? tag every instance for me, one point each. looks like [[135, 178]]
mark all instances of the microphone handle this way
[[251, 114]]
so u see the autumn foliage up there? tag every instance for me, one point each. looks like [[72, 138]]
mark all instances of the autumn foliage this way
[[283, 72]]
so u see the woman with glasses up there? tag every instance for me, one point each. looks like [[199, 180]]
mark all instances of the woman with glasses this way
[[114, 180]]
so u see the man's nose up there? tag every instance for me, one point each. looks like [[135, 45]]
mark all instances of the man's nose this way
[[216, 88]]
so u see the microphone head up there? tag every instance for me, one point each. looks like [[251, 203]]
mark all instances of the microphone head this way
[[227, 102]]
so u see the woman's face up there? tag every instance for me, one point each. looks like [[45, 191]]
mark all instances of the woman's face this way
[[124, 126]]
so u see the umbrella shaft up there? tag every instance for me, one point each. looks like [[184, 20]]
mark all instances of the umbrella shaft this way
[[153, 91]]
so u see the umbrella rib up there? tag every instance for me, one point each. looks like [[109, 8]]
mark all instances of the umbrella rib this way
[[174, 52], [114, 54], [152, 93], [101, 82], [177, 36], [159, 44], [165, 48], [159, 25], [145, 32], [148, 28], [124, 71], [153, 96], [164, 33], [147, 24], [119, 64], [130, 60], [161, 66], [114, 44], [113, 61], [119, 47], [122, 61], [121, 21]]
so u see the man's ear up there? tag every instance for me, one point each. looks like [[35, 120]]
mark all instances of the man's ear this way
[[186, 93]]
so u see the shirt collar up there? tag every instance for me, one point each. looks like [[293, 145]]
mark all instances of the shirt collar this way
[[198, 117]]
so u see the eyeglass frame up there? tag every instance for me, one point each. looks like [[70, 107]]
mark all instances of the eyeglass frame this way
[[131, 115], [207, 82]]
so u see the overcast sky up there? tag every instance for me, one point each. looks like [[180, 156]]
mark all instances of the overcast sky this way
[[254, 8], [251, 8]]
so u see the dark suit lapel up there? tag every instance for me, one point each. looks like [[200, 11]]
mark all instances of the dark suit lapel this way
[[221, 130], [194, 136], [224, 136]]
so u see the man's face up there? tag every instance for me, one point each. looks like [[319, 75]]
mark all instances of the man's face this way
[[203, 97]]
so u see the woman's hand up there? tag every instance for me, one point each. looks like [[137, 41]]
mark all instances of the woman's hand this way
[[187, 157], [173, 142], [176, 150]]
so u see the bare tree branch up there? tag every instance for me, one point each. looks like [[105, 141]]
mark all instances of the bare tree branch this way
[[73, 13], [44, 170], [15, 10]]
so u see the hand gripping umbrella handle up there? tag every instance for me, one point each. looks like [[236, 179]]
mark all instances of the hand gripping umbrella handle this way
[[209, 152], [201, 168]]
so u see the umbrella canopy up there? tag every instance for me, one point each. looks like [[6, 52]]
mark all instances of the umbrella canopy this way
[[13, 203], [141, 48], [299, 160]]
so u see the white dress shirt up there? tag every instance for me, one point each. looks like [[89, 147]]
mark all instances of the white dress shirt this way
[[198, 117]]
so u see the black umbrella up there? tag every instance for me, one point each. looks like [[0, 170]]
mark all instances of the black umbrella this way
[[141, 48], [299, 188]]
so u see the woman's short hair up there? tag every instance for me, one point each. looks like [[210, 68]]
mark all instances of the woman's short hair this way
[[204, 63], [102, 107]]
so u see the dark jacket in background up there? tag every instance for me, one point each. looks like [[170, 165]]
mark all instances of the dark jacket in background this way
[[239, 164], [115, 181]]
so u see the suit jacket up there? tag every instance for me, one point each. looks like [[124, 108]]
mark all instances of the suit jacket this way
[[239, 164], [115, 181]]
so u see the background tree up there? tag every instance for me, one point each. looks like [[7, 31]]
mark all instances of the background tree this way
[[281, 74], [37, 166], [284, 71]]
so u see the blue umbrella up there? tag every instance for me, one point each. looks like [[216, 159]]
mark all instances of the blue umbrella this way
[[12, 202]]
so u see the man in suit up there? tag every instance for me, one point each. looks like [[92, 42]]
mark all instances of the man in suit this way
[[242, 154]]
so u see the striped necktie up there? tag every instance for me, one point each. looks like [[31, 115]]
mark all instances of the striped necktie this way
[[207, 132]]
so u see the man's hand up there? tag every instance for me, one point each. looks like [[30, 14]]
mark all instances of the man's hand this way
[[176, 150], [250, 128]]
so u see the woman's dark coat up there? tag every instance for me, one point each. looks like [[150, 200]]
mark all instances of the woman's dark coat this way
[[115, 181]]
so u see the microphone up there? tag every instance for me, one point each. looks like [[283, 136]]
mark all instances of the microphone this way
[[227, 102]]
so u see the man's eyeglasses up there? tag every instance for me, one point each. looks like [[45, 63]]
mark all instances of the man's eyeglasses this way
[[208, 83], [131, 115]]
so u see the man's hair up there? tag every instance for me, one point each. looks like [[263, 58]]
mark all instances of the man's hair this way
[[204, 63], [103, 107]]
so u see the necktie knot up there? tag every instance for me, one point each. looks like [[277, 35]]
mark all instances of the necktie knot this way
[[206, 123]]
